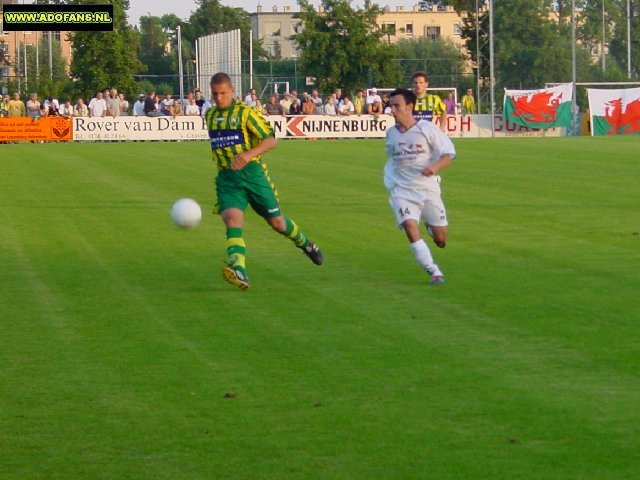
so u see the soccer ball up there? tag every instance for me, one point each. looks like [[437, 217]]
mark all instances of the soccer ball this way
[[186, 213]]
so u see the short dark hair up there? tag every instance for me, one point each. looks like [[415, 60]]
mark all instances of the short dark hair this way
[[408, 95], [220, 78], [420, 74]]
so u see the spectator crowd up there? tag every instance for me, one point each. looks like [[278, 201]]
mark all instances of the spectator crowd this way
[[111, 103]]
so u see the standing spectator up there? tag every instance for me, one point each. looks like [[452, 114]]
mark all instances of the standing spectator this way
[[210, 103], [359, 103], [33, 106], [468, 103], [428, 106], [124, 104], [286, 101], [386, 109], [66, 110], [80, 109], [177, 108], [138, 107], [157, 101], [450, 104], [317, 101], [192, 109], [113, 103], [97, 106], [295, 108], [375, 108], [44, 111], [167, 104], [308, 107], [259, 107], [330, 106], [372, 97], [17, 107], [52, 111], [337, 98], [273, 107], [52, 102], [150, 109], [4, 107], [199, 99], [186, 101], [346, 107], [250, 99]]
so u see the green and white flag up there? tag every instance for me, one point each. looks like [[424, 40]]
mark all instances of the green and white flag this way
[[543, 108], [614, 111]]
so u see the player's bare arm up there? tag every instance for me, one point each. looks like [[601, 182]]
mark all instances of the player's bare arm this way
[[242, 159], [443, 162]]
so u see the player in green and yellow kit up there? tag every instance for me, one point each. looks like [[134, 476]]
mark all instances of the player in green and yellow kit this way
[[428, 106], [239, 135]]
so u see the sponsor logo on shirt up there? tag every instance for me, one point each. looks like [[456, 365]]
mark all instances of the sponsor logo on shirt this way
[[225, 138], [406, 151]]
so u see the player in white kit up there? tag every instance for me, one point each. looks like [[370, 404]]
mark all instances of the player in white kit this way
[[417, 150]]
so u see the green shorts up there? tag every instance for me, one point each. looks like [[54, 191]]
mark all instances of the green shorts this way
[[248, 186]]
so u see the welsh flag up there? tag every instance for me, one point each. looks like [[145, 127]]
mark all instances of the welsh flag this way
[[543, 108], [614, 111]]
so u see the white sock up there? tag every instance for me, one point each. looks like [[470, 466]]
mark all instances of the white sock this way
[[423, 257]]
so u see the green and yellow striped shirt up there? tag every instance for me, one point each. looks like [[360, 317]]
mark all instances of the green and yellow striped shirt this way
[[234, 130], [428, 107]]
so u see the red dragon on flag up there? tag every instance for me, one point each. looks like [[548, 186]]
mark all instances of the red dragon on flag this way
[[623, 120], [545, 108], [614, 111]]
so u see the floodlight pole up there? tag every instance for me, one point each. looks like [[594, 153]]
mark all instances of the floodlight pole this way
[[197, 68], [629, 39], [180, 72], [492, 80], [50, 58], [478, 61], [574, 109], [26, 67], [37, 57], [250, 59], [604, 39]]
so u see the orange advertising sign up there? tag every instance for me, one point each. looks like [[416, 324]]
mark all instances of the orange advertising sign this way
[[44, 129]]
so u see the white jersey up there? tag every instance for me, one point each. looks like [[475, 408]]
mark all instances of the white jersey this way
[[97, 107], [409, 153]]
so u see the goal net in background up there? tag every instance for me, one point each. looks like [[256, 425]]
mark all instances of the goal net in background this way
[[219, 52]]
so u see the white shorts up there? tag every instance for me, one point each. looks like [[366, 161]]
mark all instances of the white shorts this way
[[431, 210]]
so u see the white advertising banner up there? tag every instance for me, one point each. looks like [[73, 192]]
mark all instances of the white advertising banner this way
[[139, 128], [311, 126]]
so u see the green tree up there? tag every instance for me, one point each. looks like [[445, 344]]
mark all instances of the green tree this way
[[342, 46], [158, 50], [618, 45], [441, 59], [42, 79], [102, 59]]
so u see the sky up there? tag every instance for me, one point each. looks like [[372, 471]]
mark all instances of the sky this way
[[183, 8]]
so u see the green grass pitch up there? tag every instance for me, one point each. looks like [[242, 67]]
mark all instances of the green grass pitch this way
[[124, 354]]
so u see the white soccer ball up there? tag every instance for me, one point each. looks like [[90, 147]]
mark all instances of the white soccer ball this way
[[186, 213]]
